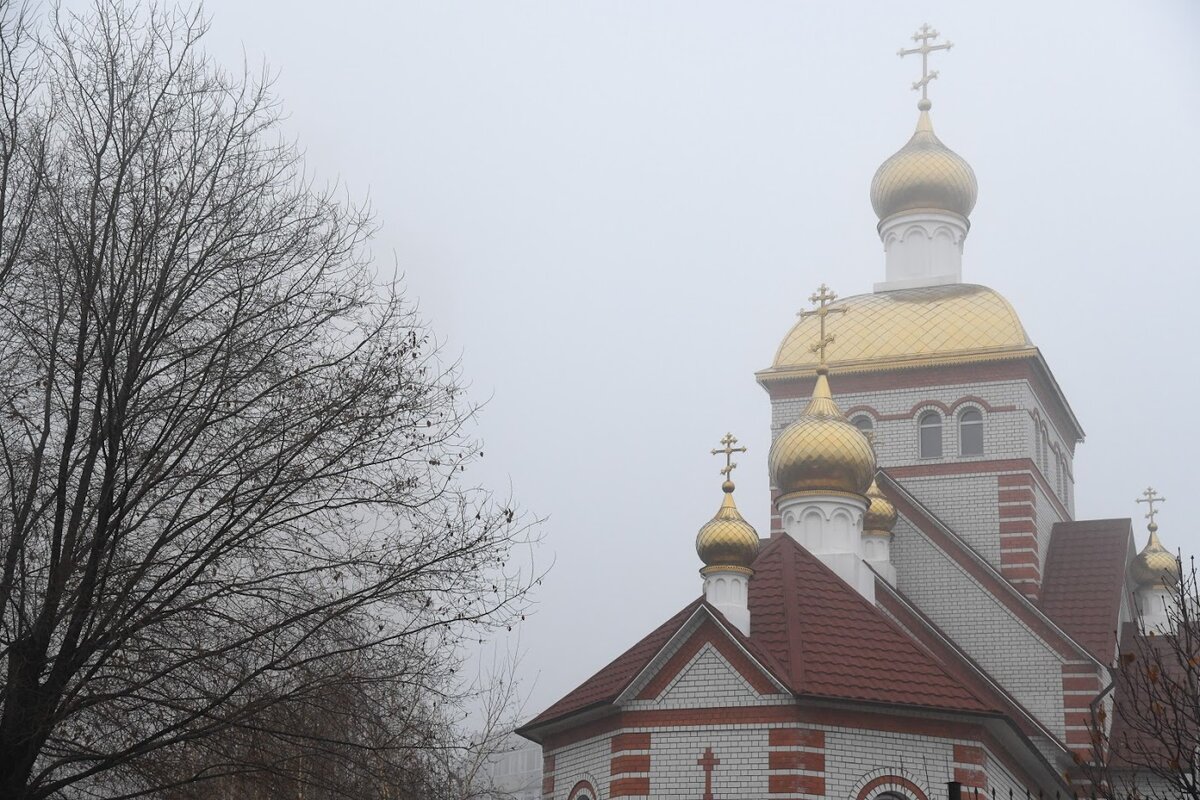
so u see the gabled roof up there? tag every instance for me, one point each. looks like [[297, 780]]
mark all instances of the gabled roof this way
[[1083, 583], [610, 681], [811, 631]]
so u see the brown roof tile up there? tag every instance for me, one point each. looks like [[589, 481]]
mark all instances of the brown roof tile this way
[[1084, 581]]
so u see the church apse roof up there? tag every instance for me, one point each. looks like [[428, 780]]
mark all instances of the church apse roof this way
[[810, 630]]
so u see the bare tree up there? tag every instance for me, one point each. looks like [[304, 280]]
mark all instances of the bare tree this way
[[1145, 728], [230, 461]]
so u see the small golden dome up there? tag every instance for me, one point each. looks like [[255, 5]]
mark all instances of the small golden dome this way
[[924, 174], [821, 451], [881, 514], [1154, 565], [727, 540]]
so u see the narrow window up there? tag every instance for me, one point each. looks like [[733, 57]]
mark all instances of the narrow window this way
[[970, 432], [864, 423], [1045, 453], [931, 434]]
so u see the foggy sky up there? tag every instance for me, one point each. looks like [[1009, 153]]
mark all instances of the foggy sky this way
[[612, 211]]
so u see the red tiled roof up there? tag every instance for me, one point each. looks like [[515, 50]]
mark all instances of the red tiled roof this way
[[835, 644], [815, 634], [1084, 581]]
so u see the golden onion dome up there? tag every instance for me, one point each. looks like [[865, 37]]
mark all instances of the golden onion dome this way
[[821, 451], [881, 514], [948, 324], [727, 541], [924, 174], [1154, 566]]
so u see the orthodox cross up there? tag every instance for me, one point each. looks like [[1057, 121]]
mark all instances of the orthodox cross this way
[[822, 298], [728, 440], [708, 762], [1150, 497], [923, 37]]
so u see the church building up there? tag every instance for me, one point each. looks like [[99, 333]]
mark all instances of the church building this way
[[927, 614]]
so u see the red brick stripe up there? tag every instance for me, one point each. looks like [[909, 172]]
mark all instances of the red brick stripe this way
[[629, 787], [630, 741], [796, 737], [970, 777], [968, 754], [622, 764], [796, 759], [790, 784]]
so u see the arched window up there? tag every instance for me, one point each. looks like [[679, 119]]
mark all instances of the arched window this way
[[970, 432], [863, 423], [930, 426]]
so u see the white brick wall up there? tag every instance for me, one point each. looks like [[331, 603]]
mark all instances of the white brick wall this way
[[986, 630]]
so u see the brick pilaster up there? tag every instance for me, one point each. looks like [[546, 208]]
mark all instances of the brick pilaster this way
[[796, 763], [629, 769], [1080, 685], [968, 769], [1020, 560], [547, 777]]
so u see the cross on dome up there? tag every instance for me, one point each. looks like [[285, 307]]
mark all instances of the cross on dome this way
[[923, 37], [728, 441], [822, 299], [1150, 497]]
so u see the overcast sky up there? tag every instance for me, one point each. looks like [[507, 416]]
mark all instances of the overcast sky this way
[[613, 210]]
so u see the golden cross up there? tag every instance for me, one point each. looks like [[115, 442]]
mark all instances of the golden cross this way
[[923, 37], [822, 298], [1150, 497], [728, 440]]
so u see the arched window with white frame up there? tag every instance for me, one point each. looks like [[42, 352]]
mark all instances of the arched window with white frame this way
[[970, 432], [930, 434]]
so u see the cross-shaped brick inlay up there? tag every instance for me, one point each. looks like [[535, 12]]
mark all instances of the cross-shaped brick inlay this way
[[708, 762]]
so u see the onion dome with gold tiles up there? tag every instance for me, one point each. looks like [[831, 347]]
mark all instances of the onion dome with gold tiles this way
[[821, 451], [881, 514], [727, 541], [1155, 565], [924, 175]]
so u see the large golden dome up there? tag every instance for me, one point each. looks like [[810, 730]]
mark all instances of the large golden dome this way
[[881, 514], [951, 323], [821, 451], [727, 540], [1154, 565], [925, 175]]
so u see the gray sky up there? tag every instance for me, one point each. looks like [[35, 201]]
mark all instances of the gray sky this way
[[613, 210]]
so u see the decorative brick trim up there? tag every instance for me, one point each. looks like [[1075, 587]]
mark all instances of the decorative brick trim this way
[[726, 716], [875, 379], [796, 761], [947, 410], [548, 777], [890, 783], [707, 633], [581, 787], [1025, 465]]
